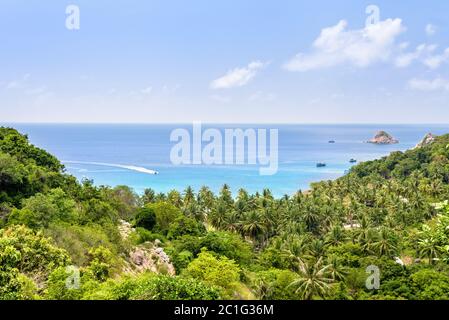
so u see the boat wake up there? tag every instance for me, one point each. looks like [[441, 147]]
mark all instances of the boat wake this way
[[127, 167]]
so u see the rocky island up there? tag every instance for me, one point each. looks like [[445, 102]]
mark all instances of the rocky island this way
[[383, 137]]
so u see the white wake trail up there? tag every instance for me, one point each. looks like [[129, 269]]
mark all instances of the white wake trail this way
[[114, 165]]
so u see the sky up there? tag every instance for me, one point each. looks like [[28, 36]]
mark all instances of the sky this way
[[227, 61]]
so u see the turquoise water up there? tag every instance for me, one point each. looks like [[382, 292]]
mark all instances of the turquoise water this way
[[85, 149]]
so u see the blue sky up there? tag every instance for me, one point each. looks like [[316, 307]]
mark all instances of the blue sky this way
[[224, 61]]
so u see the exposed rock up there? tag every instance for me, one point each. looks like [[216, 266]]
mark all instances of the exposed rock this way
[[383, 137], [428, 139], [145, 257], [125, 229]]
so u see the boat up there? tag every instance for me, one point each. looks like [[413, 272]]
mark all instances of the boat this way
[[320, 164], [353, 161], [331, 141]]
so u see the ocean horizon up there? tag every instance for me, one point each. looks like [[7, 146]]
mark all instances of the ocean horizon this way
[[127, 154]]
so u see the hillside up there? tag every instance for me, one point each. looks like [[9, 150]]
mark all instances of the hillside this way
[[389, 213]]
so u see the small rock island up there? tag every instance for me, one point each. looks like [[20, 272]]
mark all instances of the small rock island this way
[[383, 137]]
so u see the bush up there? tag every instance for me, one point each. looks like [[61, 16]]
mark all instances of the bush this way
[[274, 284], [143, 235], [33, 251], [165, 215], [145, 218], [221, 272], [153, 287], [39, 210], [185, 226]]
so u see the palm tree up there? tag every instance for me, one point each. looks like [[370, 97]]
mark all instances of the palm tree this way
[[317, 248], [336, 236], [226, 195], [174, 197], [313, 279], [337, 271], [218, 216], [205, 199], [233, 222], [386, 243], [429, 248], [311, 218], [148, 196], [189, 195], [253, 225]]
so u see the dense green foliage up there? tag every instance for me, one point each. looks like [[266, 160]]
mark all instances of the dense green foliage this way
[[390, 213]]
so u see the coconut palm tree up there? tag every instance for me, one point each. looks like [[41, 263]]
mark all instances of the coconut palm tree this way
[[174, 197], [336, 236], [337, 271], [189, 195], [314, 279], [252, 225], [218, 215], [385, 243], [429, 248], [148, 196], [205, 199]]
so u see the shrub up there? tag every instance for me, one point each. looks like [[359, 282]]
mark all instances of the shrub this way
[[145, 218]]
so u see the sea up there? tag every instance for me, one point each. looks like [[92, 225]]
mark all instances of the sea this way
[[128, 154]]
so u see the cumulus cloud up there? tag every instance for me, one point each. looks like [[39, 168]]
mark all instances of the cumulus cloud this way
[[437, 84], [430, 29], [425, 54], [434, 61], [238, 77], [361, 47], [423, 51]]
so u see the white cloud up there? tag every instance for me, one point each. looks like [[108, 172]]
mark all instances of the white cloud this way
[[362, 47], [435, 61], [425, 54], [147, 90], [421, 52], [238, 77], [429, 85], [431, 29]]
